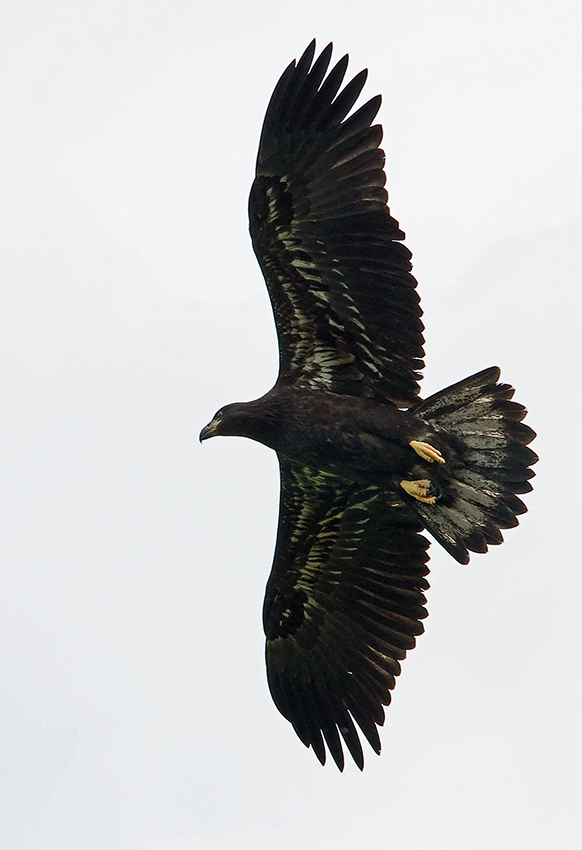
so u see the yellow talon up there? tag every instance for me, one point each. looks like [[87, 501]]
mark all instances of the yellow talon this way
[[420, 490], [426, 451]]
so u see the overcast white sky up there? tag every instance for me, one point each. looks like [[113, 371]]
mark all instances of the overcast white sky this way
[[134, 710]]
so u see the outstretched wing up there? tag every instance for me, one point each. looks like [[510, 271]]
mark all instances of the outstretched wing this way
[[343, 605], [345, 304]]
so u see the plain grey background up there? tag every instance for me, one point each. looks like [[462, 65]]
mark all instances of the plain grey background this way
[[134, 710]]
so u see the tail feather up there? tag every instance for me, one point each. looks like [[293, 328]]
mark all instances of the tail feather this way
[[491, 467]]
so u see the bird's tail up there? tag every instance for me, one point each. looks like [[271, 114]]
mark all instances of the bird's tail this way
[[488, 467]]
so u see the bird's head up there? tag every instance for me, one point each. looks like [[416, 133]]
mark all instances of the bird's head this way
[[221, 423], [242, 419]]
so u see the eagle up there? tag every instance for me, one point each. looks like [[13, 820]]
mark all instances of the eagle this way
[[366, 465]]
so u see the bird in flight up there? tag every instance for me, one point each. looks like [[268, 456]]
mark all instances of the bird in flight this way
[[365, 463]]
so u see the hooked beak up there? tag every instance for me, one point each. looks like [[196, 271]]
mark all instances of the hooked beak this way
[[209, 430]]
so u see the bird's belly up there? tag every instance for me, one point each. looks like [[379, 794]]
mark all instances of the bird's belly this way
[[352, 437], [361, 457]]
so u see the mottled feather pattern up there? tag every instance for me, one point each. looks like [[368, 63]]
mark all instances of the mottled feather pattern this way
[[347, 314], [496, 459], [344, 603]]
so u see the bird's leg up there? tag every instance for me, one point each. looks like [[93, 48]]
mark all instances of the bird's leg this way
[[426, 451], [422, 490]]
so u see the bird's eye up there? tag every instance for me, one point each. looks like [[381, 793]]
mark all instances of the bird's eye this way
[[218, 415]]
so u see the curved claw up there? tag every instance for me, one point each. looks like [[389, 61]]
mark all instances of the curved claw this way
[[422, 490], [426, 451]]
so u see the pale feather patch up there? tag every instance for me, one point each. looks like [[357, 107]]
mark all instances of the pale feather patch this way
[[315, 361]]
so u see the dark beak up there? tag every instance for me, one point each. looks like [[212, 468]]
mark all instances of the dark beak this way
[[208, 430]]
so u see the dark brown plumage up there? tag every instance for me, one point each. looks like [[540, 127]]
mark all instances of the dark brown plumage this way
[[360, 476]]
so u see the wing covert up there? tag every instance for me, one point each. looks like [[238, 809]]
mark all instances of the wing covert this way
[[344, 603], [344, 300]]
